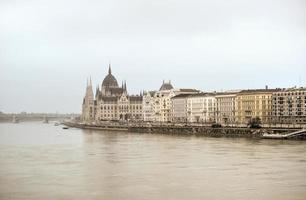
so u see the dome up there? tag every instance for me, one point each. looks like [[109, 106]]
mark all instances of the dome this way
[[166, 86], [109, 80]]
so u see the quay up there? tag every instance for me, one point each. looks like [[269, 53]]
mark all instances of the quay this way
[[208, 131], [299, 134], [109, 127]]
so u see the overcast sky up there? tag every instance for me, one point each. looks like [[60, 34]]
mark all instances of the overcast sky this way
[[49, 48]]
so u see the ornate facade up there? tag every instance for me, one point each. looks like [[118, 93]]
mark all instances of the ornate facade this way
[[111, 102], [148, 106], [157, 105]]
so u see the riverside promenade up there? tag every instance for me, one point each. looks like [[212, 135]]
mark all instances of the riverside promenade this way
[[197, 130]]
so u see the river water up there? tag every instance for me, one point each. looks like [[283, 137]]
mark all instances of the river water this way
[[43, 161]]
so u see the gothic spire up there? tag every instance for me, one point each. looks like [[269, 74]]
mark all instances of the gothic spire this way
[[109, 69], [97, 91]]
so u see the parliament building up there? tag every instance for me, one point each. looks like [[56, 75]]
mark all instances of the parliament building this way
[[111, 102]]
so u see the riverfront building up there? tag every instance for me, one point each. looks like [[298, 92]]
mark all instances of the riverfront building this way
[[157, 105], [201, 108], [179, 108], [226, 107], [254, 103], [162, 104], [111, 102], [289, 106], [148, 106], [88, 108]]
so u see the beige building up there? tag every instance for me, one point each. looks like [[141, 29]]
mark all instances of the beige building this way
[[201, 107], [179, 108], [289, 106], [226, 108], [158, 105], [148, 106], [111, 102], [88, 109], [254, 103]]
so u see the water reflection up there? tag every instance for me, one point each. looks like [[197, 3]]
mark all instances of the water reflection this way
[[41, 161]]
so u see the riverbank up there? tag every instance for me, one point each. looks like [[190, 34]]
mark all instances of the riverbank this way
[[233, 132], [109, 127]]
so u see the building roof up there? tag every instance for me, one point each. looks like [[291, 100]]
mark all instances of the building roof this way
[[258, 91], [294, 89], [115, 90], [166, 86], [226, 93], [181, 96], [109, 80], [203, 94], [188, 90], [135, 98], [104, 98], [152, 93]]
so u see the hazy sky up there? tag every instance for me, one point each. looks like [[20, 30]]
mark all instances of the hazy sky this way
[[49, 48]]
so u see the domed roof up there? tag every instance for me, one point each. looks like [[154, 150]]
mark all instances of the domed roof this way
[[166, 86], [109, 80]]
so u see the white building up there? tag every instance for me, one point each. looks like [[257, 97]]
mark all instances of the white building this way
[[179, 108], [158, 105], [148, 106], [226, 107], [201, 108]]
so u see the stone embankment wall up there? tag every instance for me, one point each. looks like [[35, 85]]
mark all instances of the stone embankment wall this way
[[233, 132], [206, 131], [96, 127]]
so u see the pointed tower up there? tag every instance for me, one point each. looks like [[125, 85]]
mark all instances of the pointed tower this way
[[88, 103], [97, 92], [109, 69], [124, 88]]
